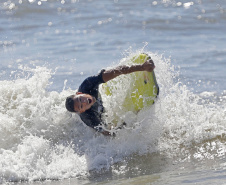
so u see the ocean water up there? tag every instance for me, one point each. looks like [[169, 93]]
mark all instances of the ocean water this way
[[48, 47]]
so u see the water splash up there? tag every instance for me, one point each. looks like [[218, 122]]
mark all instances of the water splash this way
[[41, 140]]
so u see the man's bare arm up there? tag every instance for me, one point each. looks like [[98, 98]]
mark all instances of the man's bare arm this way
[[112, 73]]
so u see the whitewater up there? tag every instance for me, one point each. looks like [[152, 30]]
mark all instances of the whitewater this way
[[41, 140], [47, 48]]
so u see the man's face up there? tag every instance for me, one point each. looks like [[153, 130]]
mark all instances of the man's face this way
[[83, 102]]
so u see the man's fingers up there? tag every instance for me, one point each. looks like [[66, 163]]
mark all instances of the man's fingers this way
[[151, 61], [150, 65]]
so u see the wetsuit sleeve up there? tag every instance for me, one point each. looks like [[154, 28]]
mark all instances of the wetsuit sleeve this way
[[90, 85]]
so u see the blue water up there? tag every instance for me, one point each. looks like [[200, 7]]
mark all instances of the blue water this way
[[48, 47]]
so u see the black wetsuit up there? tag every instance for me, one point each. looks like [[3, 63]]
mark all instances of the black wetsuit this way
[[93, 116]]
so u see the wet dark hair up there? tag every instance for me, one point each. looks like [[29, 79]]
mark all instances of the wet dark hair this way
[[69, 104]]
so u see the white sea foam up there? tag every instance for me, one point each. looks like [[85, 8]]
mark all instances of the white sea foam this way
[[41, 140]]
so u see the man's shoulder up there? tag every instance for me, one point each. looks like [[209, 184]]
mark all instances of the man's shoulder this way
[[90, 84]]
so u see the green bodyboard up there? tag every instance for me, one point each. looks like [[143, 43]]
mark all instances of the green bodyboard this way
[[143, 89]]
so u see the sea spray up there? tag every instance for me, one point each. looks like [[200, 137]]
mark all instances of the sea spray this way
[[41, 140], [36, 131]]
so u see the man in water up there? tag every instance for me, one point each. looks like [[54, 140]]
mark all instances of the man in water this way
[[87, 101]]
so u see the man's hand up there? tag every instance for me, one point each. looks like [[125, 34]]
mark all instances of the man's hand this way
[[106, 133], [148, 65]]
